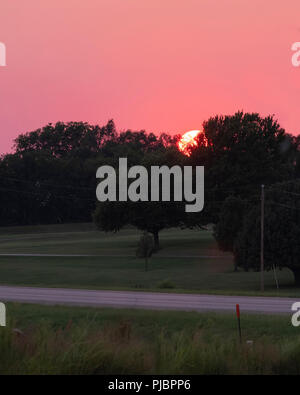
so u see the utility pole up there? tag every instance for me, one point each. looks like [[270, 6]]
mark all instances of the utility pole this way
[[262, 286]]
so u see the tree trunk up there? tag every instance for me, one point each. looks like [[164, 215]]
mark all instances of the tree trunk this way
[[296, 273], [156, 240]]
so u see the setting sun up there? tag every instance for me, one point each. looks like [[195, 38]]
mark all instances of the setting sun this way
[[188, 140]]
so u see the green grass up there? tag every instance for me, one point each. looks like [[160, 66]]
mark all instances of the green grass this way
[[192, 275], [177, 263], [68, 340], [48, 240], [149, 323]]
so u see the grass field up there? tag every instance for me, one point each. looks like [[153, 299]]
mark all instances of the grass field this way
[[182, 263], [64, 340]]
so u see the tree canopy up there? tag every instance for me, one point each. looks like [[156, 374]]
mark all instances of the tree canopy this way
[[281, 231], [50, 178], [241, 152]]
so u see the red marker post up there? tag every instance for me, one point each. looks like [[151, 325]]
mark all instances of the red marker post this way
[[239, 321]]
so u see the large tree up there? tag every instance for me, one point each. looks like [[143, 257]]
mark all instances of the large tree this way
[[230, 223], [281, 231], [146, 216], [241, 152]]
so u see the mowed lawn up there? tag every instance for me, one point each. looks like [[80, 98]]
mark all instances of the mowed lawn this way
[[189, 261]]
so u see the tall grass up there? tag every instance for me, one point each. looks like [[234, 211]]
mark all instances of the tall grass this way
[[116, 349]]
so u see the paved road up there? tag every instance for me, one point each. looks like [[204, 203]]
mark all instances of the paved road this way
[[145, 300]]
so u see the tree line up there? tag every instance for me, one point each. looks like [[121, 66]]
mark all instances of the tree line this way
[[50, 178]]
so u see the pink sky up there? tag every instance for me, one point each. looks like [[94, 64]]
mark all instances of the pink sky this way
[[159, 65]]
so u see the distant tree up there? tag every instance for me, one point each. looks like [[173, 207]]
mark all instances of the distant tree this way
[[51, 176], [145, 248], [281, 235], [111, 216], [77, 139], [294, 153], [37, 189], [167, 140], [230, 223]]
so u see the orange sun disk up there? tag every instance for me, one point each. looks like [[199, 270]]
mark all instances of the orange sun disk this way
[[188, 140]]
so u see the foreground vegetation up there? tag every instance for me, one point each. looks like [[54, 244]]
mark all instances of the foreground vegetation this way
[[64, 340]]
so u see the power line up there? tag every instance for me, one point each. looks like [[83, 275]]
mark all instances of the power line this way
[[291, 193], [45, 183], [283, 205], [40, 194]]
